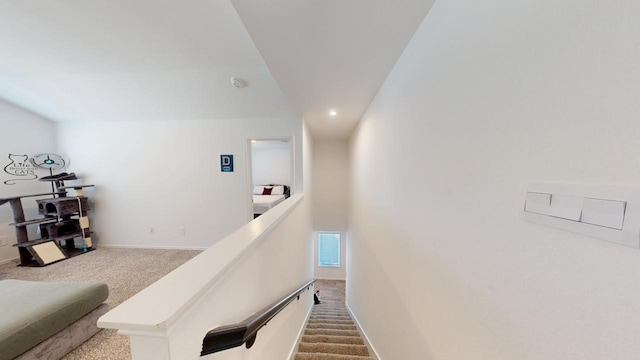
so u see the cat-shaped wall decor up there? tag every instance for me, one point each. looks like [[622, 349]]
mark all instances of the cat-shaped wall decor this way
[[20, 166]]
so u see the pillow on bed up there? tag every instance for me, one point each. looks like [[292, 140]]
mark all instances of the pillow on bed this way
[[267, 191], [277, 190], [257, 190]]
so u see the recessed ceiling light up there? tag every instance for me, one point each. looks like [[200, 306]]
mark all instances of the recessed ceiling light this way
[[333, 113]]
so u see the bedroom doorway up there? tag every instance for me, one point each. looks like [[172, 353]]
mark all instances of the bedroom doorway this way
[[270, 173]]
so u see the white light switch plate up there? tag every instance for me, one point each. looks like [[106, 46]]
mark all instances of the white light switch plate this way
[[537, 203], [591, 210], [607, 213]]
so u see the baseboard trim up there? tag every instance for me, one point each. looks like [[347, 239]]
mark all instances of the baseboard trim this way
[[364, 334], [292, 353], [16, 259], [109, 246]]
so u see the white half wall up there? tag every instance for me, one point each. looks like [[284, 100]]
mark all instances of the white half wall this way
[[230, 281], [166, 175], [487, 97], [23, 133]]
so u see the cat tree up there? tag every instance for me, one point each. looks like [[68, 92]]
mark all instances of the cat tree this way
[[64, 220]]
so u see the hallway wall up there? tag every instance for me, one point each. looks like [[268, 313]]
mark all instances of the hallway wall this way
[[22, 133], [330, 194], [271, 163], [166, 175], [487, 97], [330, 170]]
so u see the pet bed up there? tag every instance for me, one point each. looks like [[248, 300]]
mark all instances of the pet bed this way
[[33, 312]]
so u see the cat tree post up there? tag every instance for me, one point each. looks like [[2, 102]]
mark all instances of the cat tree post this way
[[21, 231]]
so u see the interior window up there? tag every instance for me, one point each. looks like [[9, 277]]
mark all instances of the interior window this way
[[329, 249]]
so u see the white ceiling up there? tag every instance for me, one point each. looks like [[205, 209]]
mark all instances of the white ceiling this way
[[109, 60]]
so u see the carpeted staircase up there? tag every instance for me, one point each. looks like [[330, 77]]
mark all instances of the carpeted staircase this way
[[331, 334]]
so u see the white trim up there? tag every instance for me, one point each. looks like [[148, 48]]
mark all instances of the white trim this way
[[109, 246], [372, 350], [15, 259], [292, 353]]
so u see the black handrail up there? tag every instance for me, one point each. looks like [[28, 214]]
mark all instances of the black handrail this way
[[230, 336]]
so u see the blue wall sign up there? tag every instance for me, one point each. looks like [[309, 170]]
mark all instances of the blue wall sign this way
[[226, 163]]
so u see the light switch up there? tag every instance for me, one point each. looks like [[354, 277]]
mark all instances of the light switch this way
[[607, 212], [600, 212], [566, 207], [537, 203]]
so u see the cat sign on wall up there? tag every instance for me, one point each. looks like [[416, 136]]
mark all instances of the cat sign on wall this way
[[20, 168], [23, 167]]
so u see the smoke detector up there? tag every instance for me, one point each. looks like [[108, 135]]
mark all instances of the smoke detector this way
[[238, 83]]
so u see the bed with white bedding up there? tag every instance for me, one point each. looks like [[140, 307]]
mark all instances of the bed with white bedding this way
[[262, 203], [266, 197]]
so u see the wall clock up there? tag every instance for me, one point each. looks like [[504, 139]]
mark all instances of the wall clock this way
[[48, 161]]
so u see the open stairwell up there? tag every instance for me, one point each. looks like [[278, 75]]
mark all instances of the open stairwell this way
[[331, 333]]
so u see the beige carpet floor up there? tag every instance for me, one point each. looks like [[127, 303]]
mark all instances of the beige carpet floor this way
[[126, 271], [331, 333]]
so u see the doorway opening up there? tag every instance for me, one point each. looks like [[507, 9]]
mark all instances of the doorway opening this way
[[271, 172]]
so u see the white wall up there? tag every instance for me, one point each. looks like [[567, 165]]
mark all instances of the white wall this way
[[309, 181], [488, 96], [271, 165], [22, 133], [246, 271], [166, 175], [330, 189]]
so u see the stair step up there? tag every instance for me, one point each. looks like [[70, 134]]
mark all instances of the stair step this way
[[332, 332], [327, 348], [317, 356], [331, 316], [357, 340], [332, 321], [327, 312], [331, 326], [330, 313]]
